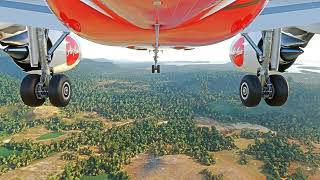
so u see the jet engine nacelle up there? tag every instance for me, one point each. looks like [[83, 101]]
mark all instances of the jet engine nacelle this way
[[245, 58], [66, 57]]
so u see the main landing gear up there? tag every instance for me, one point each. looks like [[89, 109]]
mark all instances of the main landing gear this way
[[275, 93], [33, 94], [35, 89], [273, 88]]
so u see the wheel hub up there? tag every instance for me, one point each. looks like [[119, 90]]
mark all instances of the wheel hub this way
[[66, 90], [41, 91], [268, 91], [244, 91]]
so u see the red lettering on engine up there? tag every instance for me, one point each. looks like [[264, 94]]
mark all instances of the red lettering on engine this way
[[237, 52], [73, 51]]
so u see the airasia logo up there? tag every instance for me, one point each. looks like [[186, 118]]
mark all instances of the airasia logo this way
[[237, 52], [73, 51]]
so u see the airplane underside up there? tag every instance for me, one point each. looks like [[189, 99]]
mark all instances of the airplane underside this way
[[132, 23], [145, 24]]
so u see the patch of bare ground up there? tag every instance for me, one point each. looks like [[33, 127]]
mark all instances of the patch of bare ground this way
[[38, 170], [7, 109], [45, 112], [95, 116], [227, 164], [110, 124], [312, 173], [185, 167], [242, 143], [105, 121], [315, 176], [224, 127], [36, 132], [106, 83], [316, 147], [165, 167], [31, 133]]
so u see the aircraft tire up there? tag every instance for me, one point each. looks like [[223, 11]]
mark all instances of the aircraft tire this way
[[250, 91], [60, 91], [153, 69], [28, 91], [280, 91]]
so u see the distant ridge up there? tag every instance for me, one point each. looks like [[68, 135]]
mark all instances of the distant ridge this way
[[7, 66]]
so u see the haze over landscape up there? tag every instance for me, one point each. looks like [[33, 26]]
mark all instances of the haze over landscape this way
[[185, 123], [215, 54]]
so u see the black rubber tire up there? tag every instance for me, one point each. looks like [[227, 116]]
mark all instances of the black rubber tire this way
[[28, 91], [250, 91], [60, 90], [158, 68], [281, 91], [153, 69]]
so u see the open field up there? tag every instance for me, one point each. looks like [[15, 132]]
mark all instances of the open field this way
[[38, 170], [166, 167], [227, 164], [51, 135], [223, 127], [100, 177], [185, 167], [242, 143], [32, 133], [45, 112]]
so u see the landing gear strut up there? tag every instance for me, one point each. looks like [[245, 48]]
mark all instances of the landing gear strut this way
[[156, 67], [35, 89], [274, 89]]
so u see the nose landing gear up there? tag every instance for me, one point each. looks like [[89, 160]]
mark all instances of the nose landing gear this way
[[156, 67]]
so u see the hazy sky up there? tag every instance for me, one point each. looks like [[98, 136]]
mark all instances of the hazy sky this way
[[218, 53]]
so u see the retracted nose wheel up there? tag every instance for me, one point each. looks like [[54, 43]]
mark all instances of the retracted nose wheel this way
[[59, 90], [28, 91], [250, 91], [280, 91]]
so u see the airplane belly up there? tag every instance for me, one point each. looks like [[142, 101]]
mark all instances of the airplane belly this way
[[195, 23], [146, 13]]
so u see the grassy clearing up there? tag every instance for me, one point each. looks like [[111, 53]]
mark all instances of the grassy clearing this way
[[99, 177], [4, 152], [51, 135]]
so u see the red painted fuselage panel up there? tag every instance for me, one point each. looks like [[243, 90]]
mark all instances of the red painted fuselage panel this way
[[168, 13], [131, 22]]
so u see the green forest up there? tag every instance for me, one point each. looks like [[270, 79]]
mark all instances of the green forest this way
[[161, 110]]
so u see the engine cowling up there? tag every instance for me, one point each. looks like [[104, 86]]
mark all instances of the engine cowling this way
[[245, 58], [66, 57]]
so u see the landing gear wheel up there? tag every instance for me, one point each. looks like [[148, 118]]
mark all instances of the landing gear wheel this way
[[28, 91], [59, 90], [158, 69], [280, 91], [250, 91], [155, 68]]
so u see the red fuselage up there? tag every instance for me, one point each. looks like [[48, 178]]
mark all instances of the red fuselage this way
[[182, 23]]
